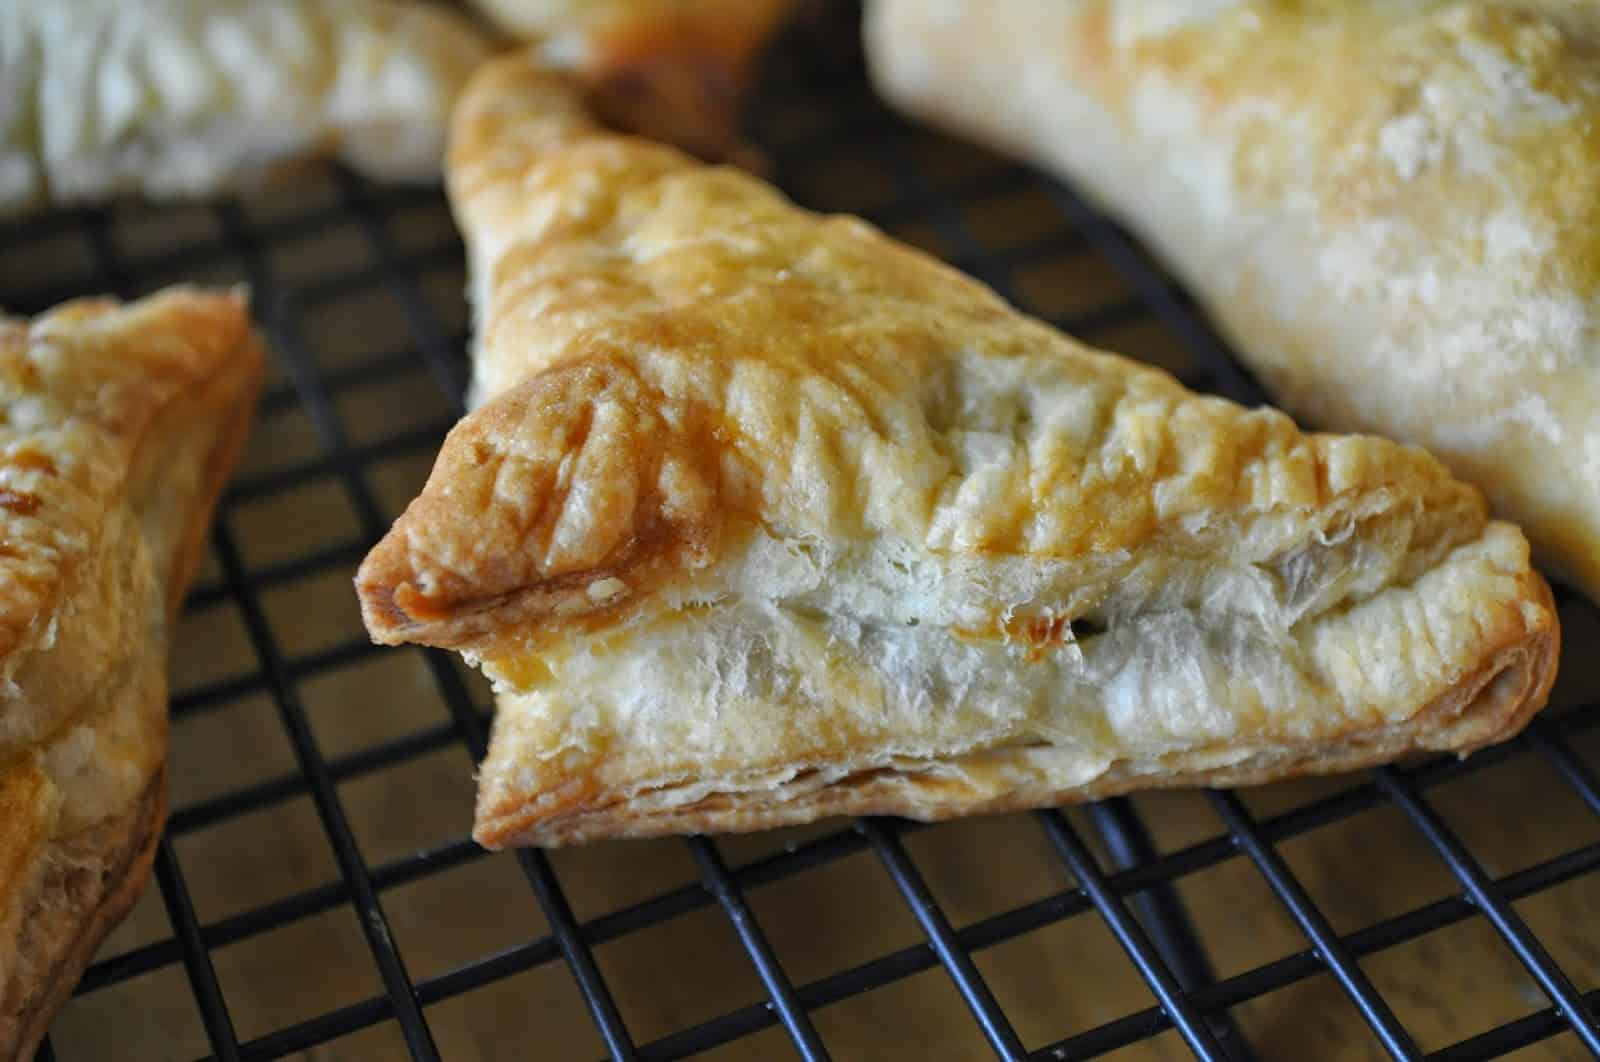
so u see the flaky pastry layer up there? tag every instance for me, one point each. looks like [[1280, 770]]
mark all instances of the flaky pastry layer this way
[[763, 516]]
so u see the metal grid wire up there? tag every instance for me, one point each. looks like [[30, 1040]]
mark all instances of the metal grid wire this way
[[1130, 887]]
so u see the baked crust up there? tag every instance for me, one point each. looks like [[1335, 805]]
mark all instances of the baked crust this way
[[91, 883], [674, 70], [1393, 210], [764, 517], [171, 98], [118, 425]]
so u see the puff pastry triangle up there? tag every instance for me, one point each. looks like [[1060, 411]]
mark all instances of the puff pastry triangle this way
[[164, 98], [763, 517], [118, 425], [1392, 209]]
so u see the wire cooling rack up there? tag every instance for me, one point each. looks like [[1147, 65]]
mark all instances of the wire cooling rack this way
[[833, 146]]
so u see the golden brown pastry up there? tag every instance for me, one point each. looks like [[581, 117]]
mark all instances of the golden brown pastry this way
[[764, 517], [1393, 209], [120, 423], [165, 98], [675, 70]]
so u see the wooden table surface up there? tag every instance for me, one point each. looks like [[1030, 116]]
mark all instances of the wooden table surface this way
[[1067, 977]]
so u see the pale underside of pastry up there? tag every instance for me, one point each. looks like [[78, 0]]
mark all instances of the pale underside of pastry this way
[[1392, 209], [764, 517], [171, 98], [118, 425], [673, 70]]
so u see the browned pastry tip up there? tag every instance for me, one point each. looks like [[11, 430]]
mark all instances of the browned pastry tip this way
[[677, 71], [684, 81]]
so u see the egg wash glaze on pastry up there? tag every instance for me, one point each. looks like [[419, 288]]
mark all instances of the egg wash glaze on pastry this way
[[763, 517]]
